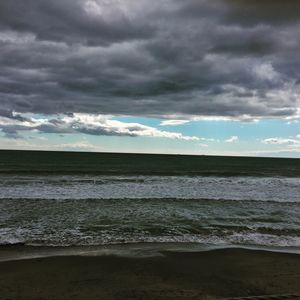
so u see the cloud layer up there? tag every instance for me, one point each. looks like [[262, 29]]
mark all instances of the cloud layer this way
[[291, 144], [14, 124], [224, 58]]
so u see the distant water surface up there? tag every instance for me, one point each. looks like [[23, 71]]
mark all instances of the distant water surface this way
[[87, 209]]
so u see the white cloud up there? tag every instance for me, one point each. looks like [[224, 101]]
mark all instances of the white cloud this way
[[44, 144], [266, 71], [233, 139], [289, 144], [207, 139], [203, 145], [173, 122], [280, 141], [292, 122], [245, 118], [86, 124], [80, 145]]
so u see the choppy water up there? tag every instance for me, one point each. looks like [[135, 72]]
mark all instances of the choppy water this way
[[93, 210]]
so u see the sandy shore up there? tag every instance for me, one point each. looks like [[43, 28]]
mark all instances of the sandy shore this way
[[175, 275]]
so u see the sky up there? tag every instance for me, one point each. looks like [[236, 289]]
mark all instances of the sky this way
[[195, 77]]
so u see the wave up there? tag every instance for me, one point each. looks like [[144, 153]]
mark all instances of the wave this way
[[236, 239], [218, 173], [61, 181], [167, 199]]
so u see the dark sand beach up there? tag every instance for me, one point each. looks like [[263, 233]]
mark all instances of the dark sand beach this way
[[173, 275]]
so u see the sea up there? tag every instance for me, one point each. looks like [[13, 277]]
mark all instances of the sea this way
[[59, 199]]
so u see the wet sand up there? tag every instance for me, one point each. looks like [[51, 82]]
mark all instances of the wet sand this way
[[174, 275]]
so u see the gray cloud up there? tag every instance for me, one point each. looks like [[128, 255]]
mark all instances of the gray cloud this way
[[226, 58]]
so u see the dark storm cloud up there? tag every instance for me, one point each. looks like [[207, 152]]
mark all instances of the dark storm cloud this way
[[71, 21], [228, 58], [264, 11]]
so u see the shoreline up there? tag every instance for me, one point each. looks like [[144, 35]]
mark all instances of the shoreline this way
[[22, 251], [219, 273]]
